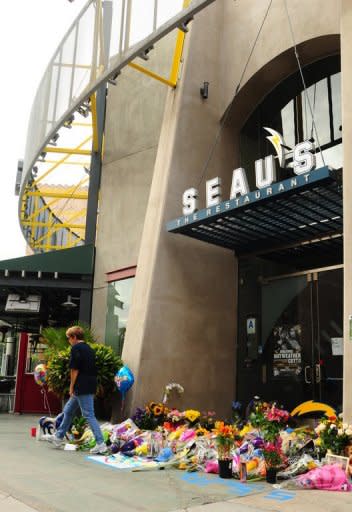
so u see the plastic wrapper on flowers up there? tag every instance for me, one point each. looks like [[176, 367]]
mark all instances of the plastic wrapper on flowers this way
[[124, 431], [327, 478], [302, 465]]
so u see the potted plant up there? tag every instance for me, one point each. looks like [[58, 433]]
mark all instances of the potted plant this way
[[58, 374], [274, 459], [224, 439]]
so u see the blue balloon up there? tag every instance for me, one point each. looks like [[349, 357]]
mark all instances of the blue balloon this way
[[124, 380]]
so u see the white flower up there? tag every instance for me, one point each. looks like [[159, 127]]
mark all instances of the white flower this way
[[333, 426], [320, 428], [344, 425], [348, 430], [340, 431]]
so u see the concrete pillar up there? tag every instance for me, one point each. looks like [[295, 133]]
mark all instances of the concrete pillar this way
[[346, 96]]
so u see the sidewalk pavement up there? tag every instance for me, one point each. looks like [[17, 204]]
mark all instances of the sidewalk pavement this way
[[36, 477]]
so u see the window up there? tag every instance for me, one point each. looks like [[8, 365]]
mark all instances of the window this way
[[288, 109], [119, 296]]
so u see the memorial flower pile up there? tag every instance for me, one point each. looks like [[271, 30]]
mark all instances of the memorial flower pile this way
[[256, 443]]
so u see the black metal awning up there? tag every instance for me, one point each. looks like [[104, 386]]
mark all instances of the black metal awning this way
[[53, 276], [300, 213]]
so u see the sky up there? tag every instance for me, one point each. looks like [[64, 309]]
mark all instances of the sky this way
[[30, 31]]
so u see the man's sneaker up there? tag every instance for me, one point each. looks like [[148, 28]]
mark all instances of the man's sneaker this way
[[56, 441], [99, 449]]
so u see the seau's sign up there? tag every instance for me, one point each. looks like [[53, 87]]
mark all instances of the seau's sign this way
[[303, 161], [265, 174]]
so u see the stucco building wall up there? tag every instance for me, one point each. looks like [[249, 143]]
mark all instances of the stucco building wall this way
[[182, 323], [134, 110]]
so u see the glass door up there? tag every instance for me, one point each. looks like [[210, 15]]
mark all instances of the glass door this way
[[290, 341], [302, 335], [287, 335], [328, 371]]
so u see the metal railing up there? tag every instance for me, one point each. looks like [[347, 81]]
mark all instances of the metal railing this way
[[106, 36]]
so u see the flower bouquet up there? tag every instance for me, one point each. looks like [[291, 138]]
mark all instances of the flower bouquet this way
[[169, 388], [151, 416], [269, 418], [236, 412], [224, 439], [207, 420], [274, 459], [191, 416], [333, 435]]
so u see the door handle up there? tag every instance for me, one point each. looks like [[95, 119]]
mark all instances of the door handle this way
[[308, 378], [317, 373]]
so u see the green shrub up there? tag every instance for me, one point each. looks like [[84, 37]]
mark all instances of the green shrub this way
[[58, 374], [55, 338], [107, 362]]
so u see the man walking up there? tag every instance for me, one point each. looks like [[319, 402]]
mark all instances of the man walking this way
[[83, 383]]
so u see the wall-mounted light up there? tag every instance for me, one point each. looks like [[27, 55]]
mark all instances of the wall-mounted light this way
[[54, 139], [69, 304], [69, 121], [204, 91], [112, 79], [145, 53], [83, 110], [183, 26]]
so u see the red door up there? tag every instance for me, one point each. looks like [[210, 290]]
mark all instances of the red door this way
[[30, 397]]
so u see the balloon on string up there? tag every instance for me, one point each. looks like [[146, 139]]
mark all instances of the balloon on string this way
[[40, 374], [124, 380]]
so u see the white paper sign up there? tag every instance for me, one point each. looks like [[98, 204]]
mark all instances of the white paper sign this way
[[250, 325], [337, 346]]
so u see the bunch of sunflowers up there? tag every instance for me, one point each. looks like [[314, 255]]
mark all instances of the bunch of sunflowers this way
[[151, 416]]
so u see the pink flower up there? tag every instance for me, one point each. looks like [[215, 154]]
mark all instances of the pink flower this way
[[187, 435]]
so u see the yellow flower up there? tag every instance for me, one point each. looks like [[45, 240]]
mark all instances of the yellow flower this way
[[157, 411], [175, 434], [201, 431], [142, 449], [247, 428], [192, 415]]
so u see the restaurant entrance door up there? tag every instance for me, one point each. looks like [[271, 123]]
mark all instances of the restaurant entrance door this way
[[300, 339]]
